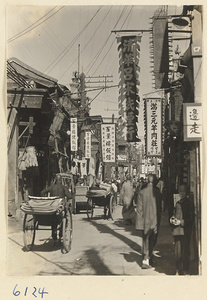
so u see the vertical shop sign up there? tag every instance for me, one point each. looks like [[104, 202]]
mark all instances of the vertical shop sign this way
[[129, 53], [154, 126], [108, 142], [74, 135], [192, 115], [160, 50], [87, 144]]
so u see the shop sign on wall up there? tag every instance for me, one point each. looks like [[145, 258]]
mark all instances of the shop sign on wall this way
[[88, 144], [74, 134], [192, 121], [153, 108], [108, 142]]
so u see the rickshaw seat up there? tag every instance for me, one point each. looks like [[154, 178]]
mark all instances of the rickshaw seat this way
[[42, 205]]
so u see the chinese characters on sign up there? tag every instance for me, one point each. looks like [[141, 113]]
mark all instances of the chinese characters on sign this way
[[87, 144], [129, 81], [192, 121], [108, 142], [154, 126], [73, 135]]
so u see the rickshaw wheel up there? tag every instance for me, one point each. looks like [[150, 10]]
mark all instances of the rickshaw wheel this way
[[67, 232], [112, 205], [90, 208], [29, 231]]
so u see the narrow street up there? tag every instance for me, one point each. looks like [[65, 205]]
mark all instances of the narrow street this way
[[108, 103], [99, 247]]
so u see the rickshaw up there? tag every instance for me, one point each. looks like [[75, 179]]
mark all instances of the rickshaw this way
[[67, 180], [102, 196], [41, 211]]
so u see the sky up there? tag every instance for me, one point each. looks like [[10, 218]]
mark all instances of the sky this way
[[47, 38]]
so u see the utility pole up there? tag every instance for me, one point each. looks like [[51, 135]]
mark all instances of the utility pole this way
[[82, 109], [78, 59], [82, 91]]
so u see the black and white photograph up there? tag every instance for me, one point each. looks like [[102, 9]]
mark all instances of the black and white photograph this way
[[104, 141]]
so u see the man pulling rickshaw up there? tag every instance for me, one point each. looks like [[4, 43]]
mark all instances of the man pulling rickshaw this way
[[61, 191]]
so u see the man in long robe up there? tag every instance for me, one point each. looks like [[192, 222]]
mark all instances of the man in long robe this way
[[148, 218], [126, 197]]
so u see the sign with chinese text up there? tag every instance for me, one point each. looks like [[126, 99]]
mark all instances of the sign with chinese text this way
[[129, 53], [153, 107], [108, 142], [87, 144], [74, 134], [192, 121]]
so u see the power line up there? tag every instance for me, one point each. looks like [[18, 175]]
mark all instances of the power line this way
[[31, 27], [107, 101], [28, 28], [114, 64], [96, 89], [55, 40], [96, 95], [87, 42], [112, 43], [45, 38], [104, 45], [68, 47]]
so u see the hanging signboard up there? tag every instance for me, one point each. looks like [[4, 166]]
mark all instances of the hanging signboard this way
[[192, 121], [108, 142], [129, 53], [154, 120], [74, 134], [87, 144], [160, 50]]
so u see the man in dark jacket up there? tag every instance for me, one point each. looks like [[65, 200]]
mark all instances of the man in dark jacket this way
[[59, 190], [182, 222], [148, 218]]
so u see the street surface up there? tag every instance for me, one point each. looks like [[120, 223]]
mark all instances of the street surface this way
[[99, 247]]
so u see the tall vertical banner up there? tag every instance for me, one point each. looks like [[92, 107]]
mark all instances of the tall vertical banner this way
[[74, 134], [108, 142], [129, 54], [154, 126], [87, 144], [160, 50]]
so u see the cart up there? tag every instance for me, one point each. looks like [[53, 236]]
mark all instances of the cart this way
[[100, 197], [80, 198], [44, 211], [67, 180]]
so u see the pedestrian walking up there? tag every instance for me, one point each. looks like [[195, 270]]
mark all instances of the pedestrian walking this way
[[139, 186], [59, 190], [182, 222], [114, 190], [160, 185], [148, 218], [126, 197]]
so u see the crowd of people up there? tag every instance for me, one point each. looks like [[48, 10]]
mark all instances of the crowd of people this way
[[142, 206]]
